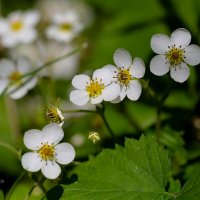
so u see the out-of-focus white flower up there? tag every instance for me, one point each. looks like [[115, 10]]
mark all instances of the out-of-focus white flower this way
[[18, 27], [125, 75], [95, 89], [47, 7], [11, 77], [40, 53], [47, 152], [174, 54], [66, 26]]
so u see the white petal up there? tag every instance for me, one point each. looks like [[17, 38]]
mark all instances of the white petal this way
[[65, 153], [96, 100], [79, 97], [52, 133], [31, 82], [112, 68], [111, 92], [180, 73], [6, 67], [192, 54], [181, 37], [134, 90], [158, 65], [160, 43], [137, 69], [51, 170], [103, 74], [23, 65], [33, 139], [31, 162], [122, 95], [80, 81], [31, 18], [17, 91], [122, 58]]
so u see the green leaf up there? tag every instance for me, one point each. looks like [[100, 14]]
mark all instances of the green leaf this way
[[191, 190], [137, 171]]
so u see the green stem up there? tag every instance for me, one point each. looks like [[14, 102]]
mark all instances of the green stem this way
[[14, 185], [101, 112], [9, 147], [76, 111], [34, 72], [107, 125], [39, 182], [30, 191]]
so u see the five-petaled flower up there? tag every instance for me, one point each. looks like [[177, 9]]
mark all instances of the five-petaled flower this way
[[12, 81], [95, 89], [65, 27], [18, 28], [47, 152], [174, 54], [125, 75]]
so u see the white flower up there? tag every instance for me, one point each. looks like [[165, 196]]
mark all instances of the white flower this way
[[126, 74], [47, 152], [66, 26], [10, 77], [174, 54], [42, 52], [93, 90], [18, 28]]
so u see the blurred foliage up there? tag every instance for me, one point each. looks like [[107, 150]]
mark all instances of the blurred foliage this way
[[128, 24]]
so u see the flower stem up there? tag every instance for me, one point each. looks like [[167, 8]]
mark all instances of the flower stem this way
[[76, 111], [34, 72], [14, 185], [101, 112], [30, 191], [9, 147]]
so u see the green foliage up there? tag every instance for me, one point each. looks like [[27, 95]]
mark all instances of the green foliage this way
[[191, 190], [1, 195], [137, 171]]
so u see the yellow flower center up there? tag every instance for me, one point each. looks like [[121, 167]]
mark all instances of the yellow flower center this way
[[16, 26], [175, 56], [124, 76], [95, 88], [15, 76], [47, 152], [65, 27]]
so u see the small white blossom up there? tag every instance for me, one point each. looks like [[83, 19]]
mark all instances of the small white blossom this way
[[11, 77], [125, 75], [47, 152], [66, 26], [18, 28], [174, 54], [95, 89]]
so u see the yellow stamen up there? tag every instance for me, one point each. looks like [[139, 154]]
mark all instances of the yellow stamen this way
[[15, 76], [65, 27], [95, 88], [16, 26], [175, 56], [47, 152], [124, 76]]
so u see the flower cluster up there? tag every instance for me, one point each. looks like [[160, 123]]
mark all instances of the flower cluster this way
[[110, 83]]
